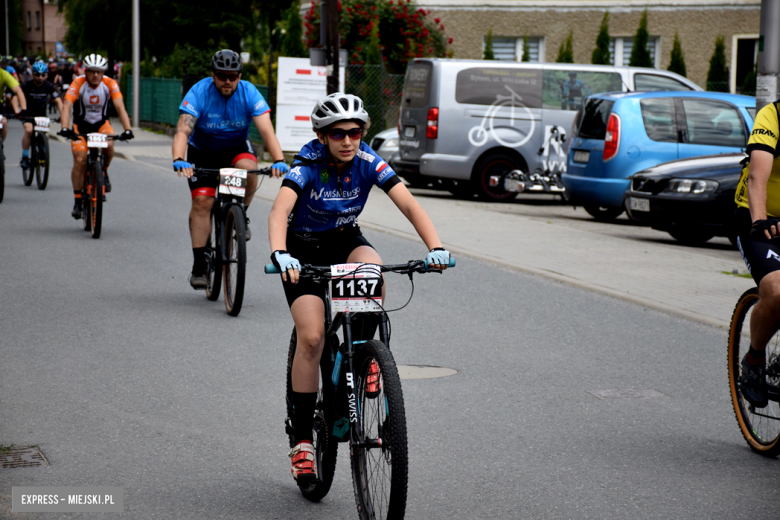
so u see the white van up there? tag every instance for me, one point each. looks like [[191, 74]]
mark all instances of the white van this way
[[466, 124]]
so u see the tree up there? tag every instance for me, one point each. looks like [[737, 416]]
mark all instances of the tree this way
[[526, 49], [566, 50], [677, 59], [292, 38], [487, 54], [749, 85], [600, 54], [718, 75], [640, 56]]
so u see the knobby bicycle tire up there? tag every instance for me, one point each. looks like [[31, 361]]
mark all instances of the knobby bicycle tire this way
[[2, 173], [380, 474], [235, 266], [214, 268], [325, 445], [97, 188], [42, 168], [760, 427], [27, 173]]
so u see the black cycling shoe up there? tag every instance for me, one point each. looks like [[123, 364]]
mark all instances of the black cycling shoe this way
[[248, 233], [25, 163], [108, 182], [199, 281], [753, 384], [76, 212]]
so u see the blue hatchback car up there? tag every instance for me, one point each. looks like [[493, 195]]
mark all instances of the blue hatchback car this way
[[618, 134]]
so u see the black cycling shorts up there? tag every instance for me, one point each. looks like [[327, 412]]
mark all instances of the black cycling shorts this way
[[207, 185], [761, 256], [327, 248]]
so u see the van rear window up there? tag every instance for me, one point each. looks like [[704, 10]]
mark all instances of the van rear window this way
[[417, 85], [593, 123], [566, 89], [508, 87]]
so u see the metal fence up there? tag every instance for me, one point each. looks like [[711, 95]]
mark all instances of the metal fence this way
[[380, 92]]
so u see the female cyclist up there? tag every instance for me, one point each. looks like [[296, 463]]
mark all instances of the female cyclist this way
[[314, 221]]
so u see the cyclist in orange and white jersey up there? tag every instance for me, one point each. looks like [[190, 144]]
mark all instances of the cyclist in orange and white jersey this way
[[89, 95]]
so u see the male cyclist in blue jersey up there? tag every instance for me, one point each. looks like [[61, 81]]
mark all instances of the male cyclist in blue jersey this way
[[213, 130], [314, 221]]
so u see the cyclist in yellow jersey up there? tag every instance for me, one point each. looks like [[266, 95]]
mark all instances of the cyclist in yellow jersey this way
[[7, 80], [757, 221]]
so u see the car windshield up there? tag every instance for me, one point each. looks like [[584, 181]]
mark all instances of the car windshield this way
[[593, 123]]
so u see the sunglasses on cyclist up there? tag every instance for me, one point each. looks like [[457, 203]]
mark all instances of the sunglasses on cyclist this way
[[338, 134], [226, 77], [39, 75]]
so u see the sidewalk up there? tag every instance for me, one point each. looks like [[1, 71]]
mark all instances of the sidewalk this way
[[689, 282]]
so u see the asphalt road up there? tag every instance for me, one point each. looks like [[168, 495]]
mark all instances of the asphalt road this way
[[124, 376]]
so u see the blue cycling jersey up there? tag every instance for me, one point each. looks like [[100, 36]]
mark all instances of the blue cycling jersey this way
[[326, 200], [222, 123]]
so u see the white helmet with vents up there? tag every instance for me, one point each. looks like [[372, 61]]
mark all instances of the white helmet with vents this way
[[95, 61], [338, 107]]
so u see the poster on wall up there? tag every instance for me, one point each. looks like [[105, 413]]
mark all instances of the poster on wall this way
[[293, 126]]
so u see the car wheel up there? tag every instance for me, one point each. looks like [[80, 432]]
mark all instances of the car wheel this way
[[604, 213], [690, 237], [493, 164]]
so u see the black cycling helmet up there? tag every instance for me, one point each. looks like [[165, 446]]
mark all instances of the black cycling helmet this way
[[226, 60]]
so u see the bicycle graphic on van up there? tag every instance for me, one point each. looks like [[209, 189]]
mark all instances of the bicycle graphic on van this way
[[506, 108]]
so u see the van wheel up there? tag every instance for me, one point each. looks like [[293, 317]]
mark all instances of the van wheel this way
[[604, 213], [494, 164]]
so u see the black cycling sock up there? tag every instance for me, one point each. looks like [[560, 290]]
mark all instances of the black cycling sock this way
[[199, 260], [303, 422], [756, 357], [77, 194]]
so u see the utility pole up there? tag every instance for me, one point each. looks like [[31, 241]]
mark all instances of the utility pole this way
[[136, 63], [7, 36], [333, 40], [768, 67]]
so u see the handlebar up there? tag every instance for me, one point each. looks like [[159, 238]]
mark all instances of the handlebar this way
[[323, 271], [29, 119]]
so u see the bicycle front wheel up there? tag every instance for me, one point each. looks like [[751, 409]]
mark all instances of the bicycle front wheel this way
[[214, 274], [325, 444], [235, 251], [759, 426], [380, 458], [2, 173], [27, 173], [97, 190], [42, 167]]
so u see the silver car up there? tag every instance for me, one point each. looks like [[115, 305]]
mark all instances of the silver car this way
[[385, 144]]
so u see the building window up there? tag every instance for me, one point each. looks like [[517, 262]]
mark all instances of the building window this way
[[29, 20], [37, 20], [744, 53], [511, 48], [620, 50]]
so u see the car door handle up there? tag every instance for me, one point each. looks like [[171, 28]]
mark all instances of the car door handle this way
[[682, 136]]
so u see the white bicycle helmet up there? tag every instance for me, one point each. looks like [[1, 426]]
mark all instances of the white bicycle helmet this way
[[338, 107], [95, 61]]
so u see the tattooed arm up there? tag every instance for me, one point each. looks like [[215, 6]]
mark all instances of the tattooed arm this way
[[183, 131]]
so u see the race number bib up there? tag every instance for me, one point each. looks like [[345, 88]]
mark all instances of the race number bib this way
[[232, 181], [355, 288], [97, 141], [42, 124]]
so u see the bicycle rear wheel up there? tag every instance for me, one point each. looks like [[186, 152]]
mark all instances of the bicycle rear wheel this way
[[325, 444], [42, 167], [97, 189], [380, 462], [235, 266], [760, 427], [214, 274]]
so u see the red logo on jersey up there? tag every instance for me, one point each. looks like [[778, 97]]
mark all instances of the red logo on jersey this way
[[185, 103], [94, 100]]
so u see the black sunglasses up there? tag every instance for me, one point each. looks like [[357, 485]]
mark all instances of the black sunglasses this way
[[39, 75], [226, 77], [338, 134]]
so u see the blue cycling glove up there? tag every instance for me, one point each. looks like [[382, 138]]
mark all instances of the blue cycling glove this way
[[281, 166], [438, 256], [181, 165], [284, 261]]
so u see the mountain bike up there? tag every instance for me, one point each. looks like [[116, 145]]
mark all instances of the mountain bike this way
[[94, 192], [39, 152], [2, 165], [226, 247], [360, 399], [759, 426]]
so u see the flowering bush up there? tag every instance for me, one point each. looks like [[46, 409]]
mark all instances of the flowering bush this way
[[404, 32]]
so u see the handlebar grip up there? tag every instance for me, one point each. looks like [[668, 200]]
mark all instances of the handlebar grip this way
[[451, 264], [271, 269]]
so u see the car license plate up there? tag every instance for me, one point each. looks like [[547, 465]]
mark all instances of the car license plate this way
[[639, 204], [581, 156], [355, 288], [409, 131]]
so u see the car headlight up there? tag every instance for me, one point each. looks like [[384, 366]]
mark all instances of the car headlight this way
[[391, 143], [691, 186]]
